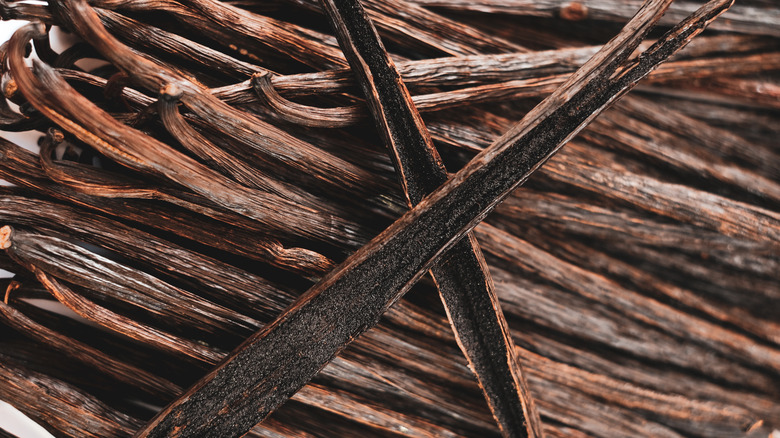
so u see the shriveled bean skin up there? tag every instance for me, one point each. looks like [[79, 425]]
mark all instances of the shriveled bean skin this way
[[212, 238]]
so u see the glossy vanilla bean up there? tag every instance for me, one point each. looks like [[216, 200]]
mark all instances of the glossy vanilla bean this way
[[148, 154], [462, 276], [21, 167], [414, 242]]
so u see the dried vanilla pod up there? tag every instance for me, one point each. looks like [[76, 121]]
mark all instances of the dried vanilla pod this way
[[224, 159]]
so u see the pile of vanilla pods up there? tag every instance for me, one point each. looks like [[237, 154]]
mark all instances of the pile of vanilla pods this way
[[224, 156]]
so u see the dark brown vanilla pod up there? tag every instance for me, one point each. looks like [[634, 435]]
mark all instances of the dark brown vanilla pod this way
[[565, 214], [25, 11], [113, 281], [247, 32], [126, 326], [87, 354], [92, 180], [138, 34], [260, 375], [135, 99], [656, 379], [53, 96], [274, 146], [702, 208], [285, 37], [762, 92], [696, 207], [97, 182], [760, 18], [247, 293], [462, 276], [21, 167], [494, 69], [421, 30], [449, 71], [60, 407], [620, 131], [711, 418], [715, 140], [664, 318], [493, 88], [302, 114], [225, 162]]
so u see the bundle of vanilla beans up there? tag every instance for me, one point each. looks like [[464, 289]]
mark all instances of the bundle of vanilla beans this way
[[337, 218]]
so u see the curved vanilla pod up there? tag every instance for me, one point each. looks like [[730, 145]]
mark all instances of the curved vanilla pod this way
[[306, 115], [98, 182], [461, 275], [278, 150], [21, 167], [261, 375], [226, 163], [57, 100]]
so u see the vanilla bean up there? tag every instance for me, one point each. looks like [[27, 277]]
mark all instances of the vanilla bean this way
[[302, 114], [665, 318], [708, 414], [87, 354], [569, 215], [97, 182], [135, 33], [221, 281], [351, 298], [494, 90], [64, 408], [21, 167], [462, 277], [710, 212], [225, 162], [164, 302], [150, 155], [622, 132], [275, 145], [221, 21], [756, 92], [714, 139], [415, 28], [124, 325], [751, 19], [25, 11]]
